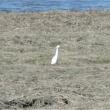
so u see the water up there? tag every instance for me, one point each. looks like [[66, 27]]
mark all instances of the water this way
[[50, 5]]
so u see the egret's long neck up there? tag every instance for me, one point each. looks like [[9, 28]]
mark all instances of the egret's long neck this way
[[56, 54]]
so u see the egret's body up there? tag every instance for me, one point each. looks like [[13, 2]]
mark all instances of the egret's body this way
[[55, 57]]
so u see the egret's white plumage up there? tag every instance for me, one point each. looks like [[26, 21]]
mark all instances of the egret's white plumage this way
[[55, 57]]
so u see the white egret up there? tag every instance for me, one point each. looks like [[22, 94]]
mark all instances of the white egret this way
[[55, 57]]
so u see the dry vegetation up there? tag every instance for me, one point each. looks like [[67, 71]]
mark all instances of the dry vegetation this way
[[80, 80]]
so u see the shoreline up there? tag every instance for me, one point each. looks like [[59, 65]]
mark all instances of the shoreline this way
[[65, 13], [59, 11]]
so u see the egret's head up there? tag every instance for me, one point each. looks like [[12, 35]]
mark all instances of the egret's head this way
[[57, 46]]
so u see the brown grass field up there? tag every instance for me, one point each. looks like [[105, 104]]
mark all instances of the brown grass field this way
[[81, 78]]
